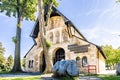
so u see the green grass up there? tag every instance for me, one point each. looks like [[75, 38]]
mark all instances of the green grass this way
[[109, 77], [68, 78], [22, 78], [104, 77], [4, 72]]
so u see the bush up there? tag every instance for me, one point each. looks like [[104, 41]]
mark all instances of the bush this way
[[5, 67]]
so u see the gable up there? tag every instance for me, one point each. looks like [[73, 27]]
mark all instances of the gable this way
[[55, 21], [55, 12], [58, 17]]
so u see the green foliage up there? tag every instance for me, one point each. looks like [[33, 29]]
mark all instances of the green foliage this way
[[54, 2], [118, 1], [2, 58], [22, 78], [2, 50], [5, 65], [50, 3], [48, 43], [69, 78], [21, 9], [112, 55], [10, 61], [15, 8], [14, 39], [24, 62], [109, 77]]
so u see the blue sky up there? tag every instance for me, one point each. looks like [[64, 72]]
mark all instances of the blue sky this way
[[97, 20]]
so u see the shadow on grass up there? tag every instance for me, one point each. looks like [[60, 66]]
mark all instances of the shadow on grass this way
[[21, 78]]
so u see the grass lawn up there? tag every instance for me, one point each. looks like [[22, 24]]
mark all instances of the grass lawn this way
[[4, 72], [104, 77], [109, 77], [22, 78], [68, 78]]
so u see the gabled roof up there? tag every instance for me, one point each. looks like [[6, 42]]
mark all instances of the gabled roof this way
[[56, 12], [98, 47]]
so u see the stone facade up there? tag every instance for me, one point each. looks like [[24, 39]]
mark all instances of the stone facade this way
[[61, 36]]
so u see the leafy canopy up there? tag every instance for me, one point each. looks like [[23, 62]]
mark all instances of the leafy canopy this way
[[113, 55], [10, 60], [2, 50], [53, 2], [17, 7]]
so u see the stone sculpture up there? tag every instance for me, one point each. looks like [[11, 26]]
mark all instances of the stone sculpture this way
[[65, 67]]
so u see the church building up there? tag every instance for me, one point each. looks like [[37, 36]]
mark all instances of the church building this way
[[68, 44]]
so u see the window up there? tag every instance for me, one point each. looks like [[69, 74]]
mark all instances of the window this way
[[57, 35], [77, 58], [51, 37], [78, 61], [65, 36], [84, 61], [30, 64]]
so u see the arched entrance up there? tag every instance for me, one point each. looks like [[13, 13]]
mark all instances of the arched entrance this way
[[59, 55], [42, 62]]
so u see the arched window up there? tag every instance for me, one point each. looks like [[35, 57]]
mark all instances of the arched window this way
[[84, 61], [51, 37], [57, 35], [65, 35], [78, 61], [77, 58]]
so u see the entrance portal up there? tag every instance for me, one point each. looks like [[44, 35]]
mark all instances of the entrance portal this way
[[59, 55]]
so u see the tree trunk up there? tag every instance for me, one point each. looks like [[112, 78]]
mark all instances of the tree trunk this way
[[42, 35], [17, 64]]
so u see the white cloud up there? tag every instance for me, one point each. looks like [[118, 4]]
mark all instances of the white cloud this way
[[106, 29], [111, 12], [102, 35], [93, 11]]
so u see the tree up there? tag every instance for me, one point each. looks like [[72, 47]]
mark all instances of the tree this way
[[9, 64], [20, 9], [2, 50], [10, 61], [112, 55], [42, 29], [2, 58], [117, 0], [24, 62]]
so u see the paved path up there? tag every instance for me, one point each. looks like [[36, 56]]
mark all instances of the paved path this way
[[80, 78], [89, 78], [46, 76], [19, 74], [49, 77]]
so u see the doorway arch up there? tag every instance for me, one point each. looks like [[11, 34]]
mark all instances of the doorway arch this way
[[59, 55], [42, 62]]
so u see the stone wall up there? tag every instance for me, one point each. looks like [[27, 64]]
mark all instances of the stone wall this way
[[57, 34]]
